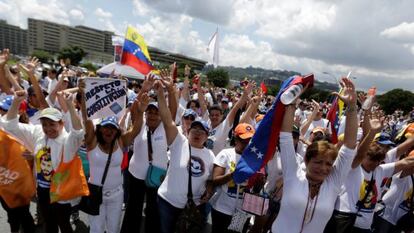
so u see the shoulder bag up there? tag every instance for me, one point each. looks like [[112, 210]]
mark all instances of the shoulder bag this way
[[191, 220], [155, 175], [90, 204]]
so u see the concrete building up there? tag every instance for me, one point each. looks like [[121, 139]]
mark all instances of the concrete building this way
[[52, 37], [14, 38]]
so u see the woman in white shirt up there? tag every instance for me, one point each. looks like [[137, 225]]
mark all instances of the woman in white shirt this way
[[398, 200], [172, 194], [106, 139], [47, 142], [309, 196]]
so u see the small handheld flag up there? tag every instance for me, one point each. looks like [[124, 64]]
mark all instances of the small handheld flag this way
[[263, 144], [135, 52]]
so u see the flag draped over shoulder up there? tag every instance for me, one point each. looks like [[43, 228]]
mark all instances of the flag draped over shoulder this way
[[135, 52], [263, 144], [17, 185], [334, 116]]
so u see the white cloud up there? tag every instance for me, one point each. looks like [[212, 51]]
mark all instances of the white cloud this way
[[101, 13], [140, 8], [17, 12], [76, 14], [403, 32]]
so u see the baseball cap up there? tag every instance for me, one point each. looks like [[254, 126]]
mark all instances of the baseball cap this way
[[384, 139], [51, 113], [6, 103], [202, 124], [189, 112], [153, 104], [244, 131], [318, 129], [112, 120]]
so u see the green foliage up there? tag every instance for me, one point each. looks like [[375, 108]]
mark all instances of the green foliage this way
[[42, 55], [316, 94], [89, 66], [218, 77], [74, 53], [396, 99]]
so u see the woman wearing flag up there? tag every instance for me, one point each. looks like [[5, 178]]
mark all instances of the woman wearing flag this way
[[309, 196]]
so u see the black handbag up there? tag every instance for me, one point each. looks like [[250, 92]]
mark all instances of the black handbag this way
[[91, 204], [190, 220], [406, 222], [342, 222]]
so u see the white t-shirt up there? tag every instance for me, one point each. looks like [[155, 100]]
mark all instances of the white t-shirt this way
[[296, 190], [390, 157], [354, 192], [397, 198], [274, 173], [175, 186], [51, 85], [138, 165], [97, 162], [224, 200], [217, 137], [301, 114]]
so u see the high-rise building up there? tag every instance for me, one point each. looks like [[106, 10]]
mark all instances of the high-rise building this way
[[14, 38], [52, 37]]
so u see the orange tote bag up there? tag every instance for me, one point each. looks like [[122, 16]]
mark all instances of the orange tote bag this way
[[17, 186], [68, 181]]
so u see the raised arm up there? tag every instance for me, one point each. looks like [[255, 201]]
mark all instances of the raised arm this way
[[29, 69], [137, 115], [375, 126], [310, 118], [185, 93], [242, 101], [76, 122], [405, 146], [12, 80], [349, 97], [251, 110], [168, 82], [171, 130], [201, 97], [4, 84], [90, 138], [19, 96]]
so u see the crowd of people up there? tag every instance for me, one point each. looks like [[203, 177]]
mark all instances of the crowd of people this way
[[183, 141]]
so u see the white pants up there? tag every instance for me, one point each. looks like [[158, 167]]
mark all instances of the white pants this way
[[110, 212]]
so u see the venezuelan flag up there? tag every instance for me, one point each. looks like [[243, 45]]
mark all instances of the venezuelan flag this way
[[334, 116], [263, 144], [135, 52]]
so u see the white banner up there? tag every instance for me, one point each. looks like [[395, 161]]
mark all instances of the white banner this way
[[105, 97]]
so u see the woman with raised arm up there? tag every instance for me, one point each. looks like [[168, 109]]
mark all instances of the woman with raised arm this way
[[309, 196], [104, 145], [47, 142], [172, 194]]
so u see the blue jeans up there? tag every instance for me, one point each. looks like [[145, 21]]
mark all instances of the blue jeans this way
[[169, 215]]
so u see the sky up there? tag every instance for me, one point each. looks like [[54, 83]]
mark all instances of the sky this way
[[373, 39]]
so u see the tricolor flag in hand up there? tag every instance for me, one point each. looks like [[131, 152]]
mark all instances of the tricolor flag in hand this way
[[334, 116], [135, 52], [263, 144]]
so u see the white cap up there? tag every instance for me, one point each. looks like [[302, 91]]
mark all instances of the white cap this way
[[51, 113]]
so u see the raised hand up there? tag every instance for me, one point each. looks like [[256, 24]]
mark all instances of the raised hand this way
[[377, 121], [349, 95], [141, 103], [148, 82], [19, 96], [166, 79], [187, 70], [31, 65], [4, 57]]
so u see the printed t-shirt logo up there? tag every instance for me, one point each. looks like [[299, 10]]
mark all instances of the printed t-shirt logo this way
[[405, 205], [370, 200], [197, 167], [44, 168]]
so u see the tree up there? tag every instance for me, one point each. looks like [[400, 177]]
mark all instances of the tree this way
[[74, 53], [396, 99], [218, 77], [42, 55]]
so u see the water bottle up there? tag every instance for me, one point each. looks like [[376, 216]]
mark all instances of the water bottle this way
[[290, 94]]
